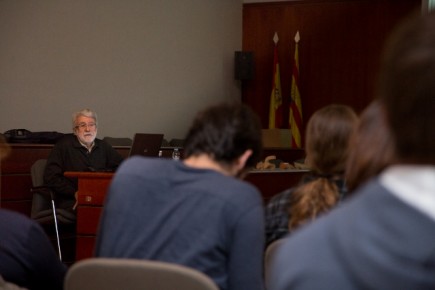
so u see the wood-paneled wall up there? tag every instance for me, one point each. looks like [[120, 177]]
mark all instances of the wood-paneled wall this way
[[339, 51]]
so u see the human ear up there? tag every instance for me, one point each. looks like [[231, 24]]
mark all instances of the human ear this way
[[241, 161]]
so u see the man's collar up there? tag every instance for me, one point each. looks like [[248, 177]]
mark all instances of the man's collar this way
[[84, 145], [413, 184]]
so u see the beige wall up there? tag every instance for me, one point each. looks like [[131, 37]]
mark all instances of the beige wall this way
[[142, 65]]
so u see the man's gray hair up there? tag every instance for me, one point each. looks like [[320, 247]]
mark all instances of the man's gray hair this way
[[85, 112]]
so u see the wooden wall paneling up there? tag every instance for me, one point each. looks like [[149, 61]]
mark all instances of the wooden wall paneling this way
[[17, 162], [16, 187], [339, 52], [22, 206]]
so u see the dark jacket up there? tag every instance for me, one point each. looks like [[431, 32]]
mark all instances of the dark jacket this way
[[69, 155]]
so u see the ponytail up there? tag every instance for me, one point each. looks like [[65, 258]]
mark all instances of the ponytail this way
[[312, 199]]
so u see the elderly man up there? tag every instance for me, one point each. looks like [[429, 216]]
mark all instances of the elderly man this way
[[80, 151]]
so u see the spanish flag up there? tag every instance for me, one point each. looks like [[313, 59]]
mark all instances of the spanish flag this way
[[295, 102], [275, 109]]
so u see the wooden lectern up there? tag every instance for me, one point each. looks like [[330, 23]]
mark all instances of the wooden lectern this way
[[92, 188]]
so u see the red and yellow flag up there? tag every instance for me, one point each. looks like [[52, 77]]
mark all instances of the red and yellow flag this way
[[295, 102], [275, 109]]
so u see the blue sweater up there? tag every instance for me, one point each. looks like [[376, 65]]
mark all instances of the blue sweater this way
[[163, 210], [372, 241], [27, 258]]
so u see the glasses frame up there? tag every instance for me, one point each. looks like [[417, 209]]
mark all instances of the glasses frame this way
[[84, 126]]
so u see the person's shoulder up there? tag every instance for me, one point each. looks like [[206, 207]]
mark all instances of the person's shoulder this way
[[281, 197], [236, 183], [15, 219], [367, 193], [235, 191], [6, 213], [134, 163]]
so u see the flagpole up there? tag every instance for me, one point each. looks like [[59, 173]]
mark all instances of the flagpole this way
[[295, 119], [275, 108]]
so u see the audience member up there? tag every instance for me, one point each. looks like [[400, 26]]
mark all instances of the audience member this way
[[193, 212], [80, 151], [383, 236], [371, 149], [327, 145], [27, 258]]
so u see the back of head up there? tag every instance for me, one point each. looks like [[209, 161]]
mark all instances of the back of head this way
[[327, 138], [224, 132], [407, 89], [371, 147], [328, 134]]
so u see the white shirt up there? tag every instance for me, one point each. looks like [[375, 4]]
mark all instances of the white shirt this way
[[413, 184]]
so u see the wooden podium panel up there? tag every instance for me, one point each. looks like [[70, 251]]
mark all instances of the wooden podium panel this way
[[92, 188]]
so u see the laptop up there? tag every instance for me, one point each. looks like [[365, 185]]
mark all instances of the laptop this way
[[146, 144]]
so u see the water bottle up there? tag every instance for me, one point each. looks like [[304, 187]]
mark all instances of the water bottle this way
[[176, 154]]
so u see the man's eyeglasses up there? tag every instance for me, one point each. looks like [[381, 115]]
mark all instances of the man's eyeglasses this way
[[83, 126]]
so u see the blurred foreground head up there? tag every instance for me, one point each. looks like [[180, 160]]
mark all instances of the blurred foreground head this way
[[224, 132], [407, 89]]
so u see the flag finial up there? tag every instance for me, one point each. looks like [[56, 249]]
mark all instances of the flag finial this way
[[275, 38], [297, 37]]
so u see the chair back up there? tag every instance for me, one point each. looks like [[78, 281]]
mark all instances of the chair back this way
[[134, 274], [42, 207], [41, 204], [37, 172]]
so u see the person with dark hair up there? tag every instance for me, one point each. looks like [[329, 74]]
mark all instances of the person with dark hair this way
[[328, 134], [371, 148], [193, 212], [27, 257], [382, 237], [80, 151]]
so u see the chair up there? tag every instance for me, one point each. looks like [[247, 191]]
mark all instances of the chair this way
[[43, 207], [269, 257], [133, 274], [5, 285]]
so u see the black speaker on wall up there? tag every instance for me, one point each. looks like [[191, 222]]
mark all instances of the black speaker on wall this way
[[244, 65]]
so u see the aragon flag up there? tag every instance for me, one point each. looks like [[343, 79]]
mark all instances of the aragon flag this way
[[295, 102]]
